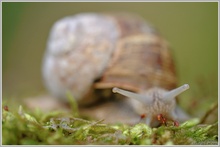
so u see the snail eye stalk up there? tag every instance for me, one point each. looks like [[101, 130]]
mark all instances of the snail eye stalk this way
[[141, 98], [173, 93]]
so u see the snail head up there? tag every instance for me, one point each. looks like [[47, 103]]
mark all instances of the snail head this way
[[149, 99]]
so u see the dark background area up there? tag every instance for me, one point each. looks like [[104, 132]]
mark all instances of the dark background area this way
[[191, 28]]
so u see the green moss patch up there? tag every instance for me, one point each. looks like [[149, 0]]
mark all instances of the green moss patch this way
[[37, 128]]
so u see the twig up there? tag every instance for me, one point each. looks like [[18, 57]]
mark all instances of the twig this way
[[208, 113]]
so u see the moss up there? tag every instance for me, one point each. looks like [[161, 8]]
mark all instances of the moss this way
[[24, 128]]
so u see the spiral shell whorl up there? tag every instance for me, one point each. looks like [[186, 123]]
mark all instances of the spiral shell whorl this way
[[78, 51]]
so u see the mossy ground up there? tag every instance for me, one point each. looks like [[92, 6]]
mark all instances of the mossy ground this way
[[23, 127]]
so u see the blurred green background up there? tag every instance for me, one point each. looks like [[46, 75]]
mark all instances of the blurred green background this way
[[191, 28]]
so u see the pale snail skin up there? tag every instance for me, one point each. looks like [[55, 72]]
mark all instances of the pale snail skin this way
[[153, 102], [90, 46]]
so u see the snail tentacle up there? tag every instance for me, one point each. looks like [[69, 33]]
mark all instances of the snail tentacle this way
[[173, 93], [138, 97], [148, 120]]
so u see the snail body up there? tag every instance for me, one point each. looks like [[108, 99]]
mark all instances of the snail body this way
[[155, 101], [88, 54]]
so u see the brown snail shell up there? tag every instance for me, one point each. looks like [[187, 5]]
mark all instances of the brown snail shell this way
[[92, 51], [142, 58]]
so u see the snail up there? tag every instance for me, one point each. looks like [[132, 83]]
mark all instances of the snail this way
[[154, 102], [88, 54]]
